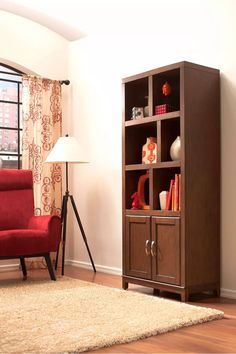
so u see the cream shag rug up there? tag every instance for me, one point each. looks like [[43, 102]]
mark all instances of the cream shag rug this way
[[70, 315]]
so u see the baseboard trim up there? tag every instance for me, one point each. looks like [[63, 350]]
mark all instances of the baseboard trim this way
[[9, 267], [99, 268], [230, 294]]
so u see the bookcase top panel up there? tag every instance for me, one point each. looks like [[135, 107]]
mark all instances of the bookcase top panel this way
[[178, 65]]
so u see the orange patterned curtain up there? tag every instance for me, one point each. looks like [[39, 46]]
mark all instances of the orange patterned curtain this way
[[42, 123]]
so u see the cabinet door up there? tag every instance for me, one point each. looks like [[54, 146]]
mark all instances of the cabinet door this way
[[165, 250], [137, 247]]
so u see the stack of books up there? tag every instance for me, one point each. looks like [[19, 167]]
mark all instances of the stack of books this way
[[174, 194]]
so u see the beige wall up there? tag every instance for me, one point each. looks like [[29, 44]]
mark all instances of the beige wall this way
[[33, 49], [199, 31], [31, 46]]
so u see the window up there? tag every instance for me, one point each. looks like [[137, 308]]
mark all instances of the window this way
[[10, 121]]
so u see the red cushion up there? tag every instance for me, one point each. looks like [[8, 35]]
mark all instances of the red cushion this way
[[15, 179], [23, 242], [16, 199], [16, 208]]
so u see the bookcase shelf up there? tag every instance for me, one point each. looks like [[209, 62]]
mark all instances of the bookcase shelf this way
[[182, 100], [166, 164], [154, 118], [161, 213]]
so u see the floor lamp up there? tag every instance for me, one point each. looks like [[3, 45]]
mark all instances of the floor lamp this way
[[67, 150]]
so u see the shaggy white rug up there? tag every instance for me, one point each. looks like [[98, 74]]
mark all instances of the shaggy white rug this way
[[70, 315]]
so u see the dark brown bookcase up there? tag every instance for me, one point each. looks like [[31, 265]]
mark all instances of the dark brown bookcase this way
[[176, 251]]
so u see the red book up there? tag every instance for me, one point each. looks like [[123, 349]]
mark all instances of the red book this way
[[167, 196], [176, 202], [173, 197], [179, 191], [169, 199]]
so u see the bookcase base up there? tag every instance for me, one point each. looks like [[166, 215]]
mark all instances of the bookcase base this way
[[185, 292]]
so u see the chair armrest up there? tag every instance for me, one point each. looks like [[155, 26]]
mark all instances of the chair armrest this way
[[49, 223]]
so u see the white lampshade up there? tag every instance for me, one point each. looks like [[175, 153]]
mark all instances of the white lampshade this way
[[66, 149]]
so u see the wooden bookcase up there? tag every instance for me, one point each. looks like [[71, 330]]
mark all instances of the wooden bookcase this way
[[176, 251]]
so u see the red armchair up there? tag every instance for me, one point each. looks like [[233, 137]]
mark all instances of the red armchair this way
[[22, 234]]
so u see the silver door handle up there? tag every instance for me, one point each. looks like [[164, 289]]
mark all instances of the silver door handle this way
[[153, 249], [147, 247]]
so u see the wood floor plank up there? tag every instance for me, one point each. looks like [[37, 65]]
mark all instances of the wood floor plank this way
[[212, 337]]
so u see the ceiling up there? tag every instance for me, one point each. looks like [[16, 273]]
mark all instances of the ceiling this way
[[74, 19], [57, 15]]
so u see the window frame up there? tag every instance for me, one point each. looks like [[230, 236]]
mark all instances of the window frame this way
[[18, 129]]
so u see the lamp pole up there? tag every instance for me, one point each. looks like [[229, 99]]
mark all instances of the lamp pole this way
[[66, 196]]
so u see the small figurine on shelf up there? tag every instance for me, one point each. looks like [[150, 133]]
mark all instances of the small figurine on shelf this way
[[135, 202], [137, 113], [166, 89]]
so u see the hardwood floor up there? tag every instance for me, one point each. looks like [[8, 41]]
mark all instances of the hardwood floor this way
[[211, 337]]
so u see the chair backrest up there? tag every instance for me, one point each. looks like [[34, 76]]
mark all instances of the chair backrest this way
[[16, 198]]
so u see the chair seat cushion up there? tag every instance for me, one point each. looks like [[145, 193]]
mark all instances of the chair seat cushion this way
[[23, 242]]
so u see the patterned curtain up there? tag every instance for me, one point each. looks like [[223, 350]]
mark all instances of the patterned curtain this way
[[42, 121]]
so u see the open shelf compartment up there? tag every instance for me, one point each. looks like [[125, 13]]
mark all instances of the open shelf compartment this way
[[135, 138], [161, 182], [172, 101], [132, 180], [136, 95], [169, 130]]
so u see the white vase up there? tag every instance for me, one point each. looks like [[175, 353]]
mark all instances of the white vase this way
[[163, 199], [175, 149]]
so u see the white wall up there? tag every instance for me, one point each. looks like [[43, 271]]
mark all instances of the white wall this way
[[33, 49], [161, 33]]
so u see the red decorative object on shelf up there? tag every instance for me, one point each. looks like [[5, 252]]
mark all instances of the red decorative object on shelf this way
[[140, 192], [166, 89], [164, 108], [135, 202]]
